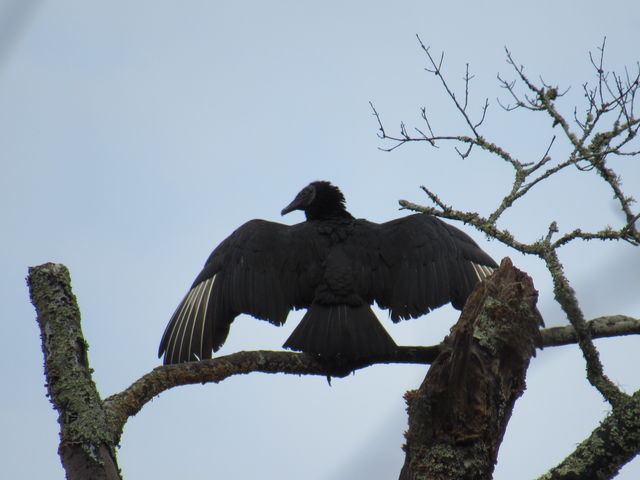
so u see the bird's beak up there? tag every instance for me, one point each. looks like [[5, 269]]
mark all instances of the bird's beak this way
[[290, 208], [302, 201]]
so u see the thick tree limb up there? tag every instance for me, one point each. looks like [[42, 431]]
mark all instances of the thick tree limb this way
[[130, 401], [458, 416], [610, 446], [86, 443], [602, 327]]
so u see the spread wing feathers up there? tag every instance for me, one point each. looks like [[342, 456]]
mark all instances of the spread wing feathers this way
[[418, 263], [188, 332], [263, 269]]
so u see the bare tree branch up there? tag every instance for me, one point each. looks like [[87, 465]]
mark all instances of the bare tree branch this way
[[591, 146], [566, 297], [602, 327], [615, 442], [436, 68], [130, 401]]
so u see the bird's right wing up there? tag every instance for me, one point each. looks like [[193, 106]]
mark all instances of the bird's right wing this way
[[263, 269]]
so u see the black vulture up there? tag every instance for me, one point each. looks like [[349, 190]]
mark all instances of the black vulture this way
[[335, 266]]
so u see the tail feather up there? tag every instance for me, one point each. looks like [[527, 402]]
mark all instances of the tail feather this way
[[340, 331]]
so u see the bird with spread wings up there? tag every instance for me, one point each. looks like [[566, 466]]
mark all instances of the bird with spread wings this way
[[335, 266]]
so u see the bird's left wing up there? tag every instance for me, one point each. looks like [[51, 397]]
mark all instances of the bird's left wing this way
[[263, 269], [414, 264]]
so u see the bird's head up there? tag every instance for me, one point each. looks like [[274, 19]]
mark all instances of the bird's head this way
[[318, 200]]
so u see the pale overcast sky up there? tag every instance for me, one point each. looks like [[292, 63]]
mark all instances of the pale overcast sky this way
[[138, 135]]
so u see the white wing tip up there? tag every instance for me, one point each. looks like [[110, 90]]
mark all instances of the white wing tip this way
[[482, 271]]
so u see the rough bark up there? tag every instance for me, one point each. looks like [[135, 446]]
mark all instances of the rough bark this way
[[86, 443], [615, 442], [458, 416], [601, 327]]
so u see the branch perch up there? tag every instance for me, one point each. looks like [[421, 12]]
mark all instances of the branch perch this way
[[91, 428]]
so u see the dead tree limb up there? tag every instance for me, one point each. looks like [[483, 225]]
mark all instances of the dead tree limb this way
[[87, 445], [90, 428], [458, 416], [600, 456]]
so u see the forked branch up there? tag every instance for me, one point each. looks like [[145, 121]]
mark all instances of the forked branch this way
[[591, 141]]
